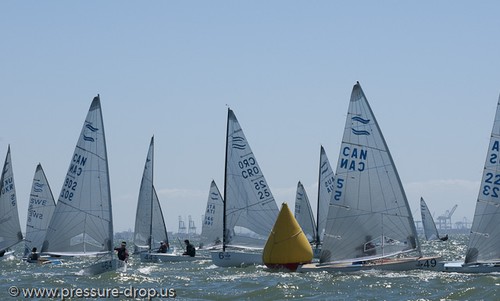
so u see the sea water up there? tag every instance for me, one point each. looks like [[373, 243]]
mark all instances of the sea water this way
[[201, 280]]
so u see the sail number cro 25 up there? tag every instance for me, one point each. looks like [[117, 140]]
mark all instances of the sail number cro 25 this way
[[488, 189], [262, 190], [68, 188]]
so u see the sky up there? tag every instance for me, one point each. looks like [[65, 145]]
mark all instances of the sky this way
[[430, 70]]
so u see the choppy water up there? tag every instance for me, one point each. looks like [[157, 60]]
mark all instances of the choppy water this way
[[201, 280]]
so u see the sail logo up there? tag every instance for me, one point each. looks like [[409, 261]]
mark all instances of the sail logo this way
[[363, 121], [239, 143], [214, 196], [324, 168], [90, 127], [38, 187]]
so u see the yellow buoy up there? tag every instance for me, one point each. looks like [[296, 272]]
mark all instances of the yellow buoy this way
[[287, 246]]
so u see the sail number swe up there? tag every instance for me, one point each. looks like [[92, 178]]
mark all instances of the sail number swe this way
[[68, 188]]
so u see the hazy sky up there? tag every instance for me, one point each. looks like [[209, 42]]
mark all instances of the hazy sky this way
[[430, 70]]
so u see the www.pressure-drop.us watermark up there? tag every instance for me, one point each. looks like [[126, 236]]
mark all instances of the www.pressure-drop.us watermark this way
[[68, 293]]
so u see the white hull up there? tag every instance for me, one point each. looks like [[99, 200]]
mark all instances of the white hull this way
[[166, 257], [397, 264], [236, 259], [460, 267], [7, 254], [105, 266]]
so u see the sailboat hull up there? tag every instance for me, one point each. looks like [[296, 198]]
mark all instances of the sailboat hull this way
[[390, 264], [104, 266], [165, 257], [7, 255], [236, 259], [461, 267]]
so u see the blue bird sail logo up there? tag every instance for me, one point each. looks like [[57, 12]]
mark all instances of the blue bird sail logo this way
[[90, 127], [38, 187], [239, 143], [363, 121], [324, 168]]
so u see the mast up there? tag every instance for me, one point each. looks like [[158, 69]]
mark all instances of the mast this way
[[319, 189], [225, 186], [152, 196], [110, 247]]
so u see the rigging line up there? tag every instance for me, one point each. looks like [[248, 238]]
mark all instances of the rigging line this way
[[90, 152]]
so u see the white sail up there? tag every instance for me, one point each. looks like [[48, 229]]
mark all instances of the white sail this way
[[484, 239], [303, 213], [10, 228], [369, 215], [40, 210], [82, 222], [249, 203], [430, 230], [150, 227], [325, 192], [211, 231]]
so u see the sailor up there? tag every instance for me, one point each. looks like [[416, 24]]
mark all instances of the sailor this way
[[190, 250], [33, 257], [163, 247], [122, 251]]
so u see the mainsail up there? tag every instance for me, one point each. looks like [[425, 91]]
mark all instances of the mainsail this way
[[82, 222], [249, 203], [40, 210], [325, 191], [10, 229], [369, 215], [303, 213], [211, 231], [150, 227], [484, 239], [430, 230]]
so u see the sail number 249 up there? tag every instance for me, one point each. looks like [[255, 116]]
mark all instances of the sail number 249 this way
[[68, 188]]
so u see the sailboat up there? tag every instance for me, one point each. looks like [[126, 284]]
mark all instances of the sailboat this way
[[430, 230], [10, 228], [369, 225], [211, 234], [150, 229], [82, 223], [304, 214], [40, 210], [249, 207], [325, 191], [483, 250]]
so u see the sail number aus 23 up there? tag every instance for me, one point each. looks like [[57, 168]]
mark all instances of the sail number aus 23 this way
[[488, 190]]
